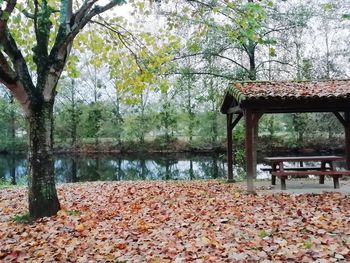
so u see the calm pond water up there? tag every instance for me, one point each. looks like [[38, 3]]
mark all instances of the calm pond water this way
[[97, 167]]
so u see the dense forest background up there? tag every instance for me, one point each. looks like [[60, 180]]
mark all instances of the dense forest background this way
[[152, 76]]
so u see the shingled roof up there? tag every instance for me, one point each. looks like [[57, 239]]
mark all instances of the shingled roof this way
[[289, 96]]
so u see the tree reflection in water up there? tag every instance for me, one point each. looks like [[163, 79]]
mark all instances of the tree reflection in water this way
[[13, 169], [79, 168]]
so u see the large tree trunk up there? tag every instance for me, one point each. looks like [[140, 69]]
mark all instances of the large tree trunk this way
[[43, 199]]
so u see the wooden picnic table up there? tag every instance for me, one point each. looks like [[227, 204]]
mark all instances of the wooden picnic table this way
[[325, 167]]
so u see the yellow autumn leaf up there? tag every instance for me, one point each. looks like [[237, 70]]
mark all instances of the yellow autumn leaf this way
[[79, 228], [334, 223]]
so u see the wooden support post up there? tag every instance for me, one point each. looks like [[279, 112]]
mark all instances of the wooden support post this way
[[321, 179], [230, 125], [273, 177], [229, 148], [256, 118], [347, 138], [283, 183], [249, 150], [346, 123], [336, 181], [323, 167]]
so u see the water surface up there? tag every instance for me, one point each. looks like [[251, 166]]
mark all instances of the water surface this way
[[97, 167]]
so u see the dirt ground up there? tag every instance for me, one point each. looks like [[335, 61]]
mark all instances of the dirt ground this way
[[301, 186]]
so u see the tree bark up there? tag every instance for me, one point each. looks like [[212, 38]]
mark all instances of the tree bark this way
[[12, 120], [43, 199]]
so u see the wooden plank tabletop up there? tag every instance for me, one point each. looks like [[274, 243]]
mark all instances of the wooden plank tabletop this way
[[304, 158]]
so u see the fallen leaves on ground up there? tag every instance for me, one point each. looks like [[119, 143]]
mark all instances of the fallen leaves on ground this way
[[201, 221]]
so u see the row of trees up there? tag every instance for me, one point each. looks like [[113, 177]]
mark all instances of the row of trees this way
[[103, 125]]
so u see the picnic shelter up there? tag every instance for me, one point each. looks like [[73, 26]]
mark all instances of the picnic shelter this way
[[250, 100]]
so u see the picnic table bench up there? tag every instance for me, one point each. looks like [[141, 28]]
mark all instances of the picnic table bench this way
[[326, 167]]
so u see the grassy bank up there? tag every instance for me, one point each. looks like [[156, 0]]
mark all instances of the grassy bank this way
[[278, 143]]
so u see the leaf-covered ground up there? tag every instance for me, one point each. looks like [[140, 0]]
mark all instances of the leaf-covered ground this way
[[177, 222]]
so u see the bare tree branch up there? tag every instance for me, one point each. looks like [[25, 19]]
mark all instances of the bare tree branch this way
[[65, 36], [9, 78], [201, 73], [27, 14], [123, 39], [214, 55], [7, 75], [211, 6], [83, 16], [274, 61], [19, 63], [4, 19]]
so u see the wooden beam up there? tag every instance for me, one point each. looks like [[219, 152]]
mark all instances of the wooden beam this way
[[347, 138], [235, 122], [255, 118], [292, 106], [249, 150], [339, 117], [229, 126], [235, 109], [229, 147]]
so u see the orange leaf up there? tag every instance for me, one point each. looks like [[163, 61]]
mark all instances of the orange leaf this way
[[79, 228], [121, 246]]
